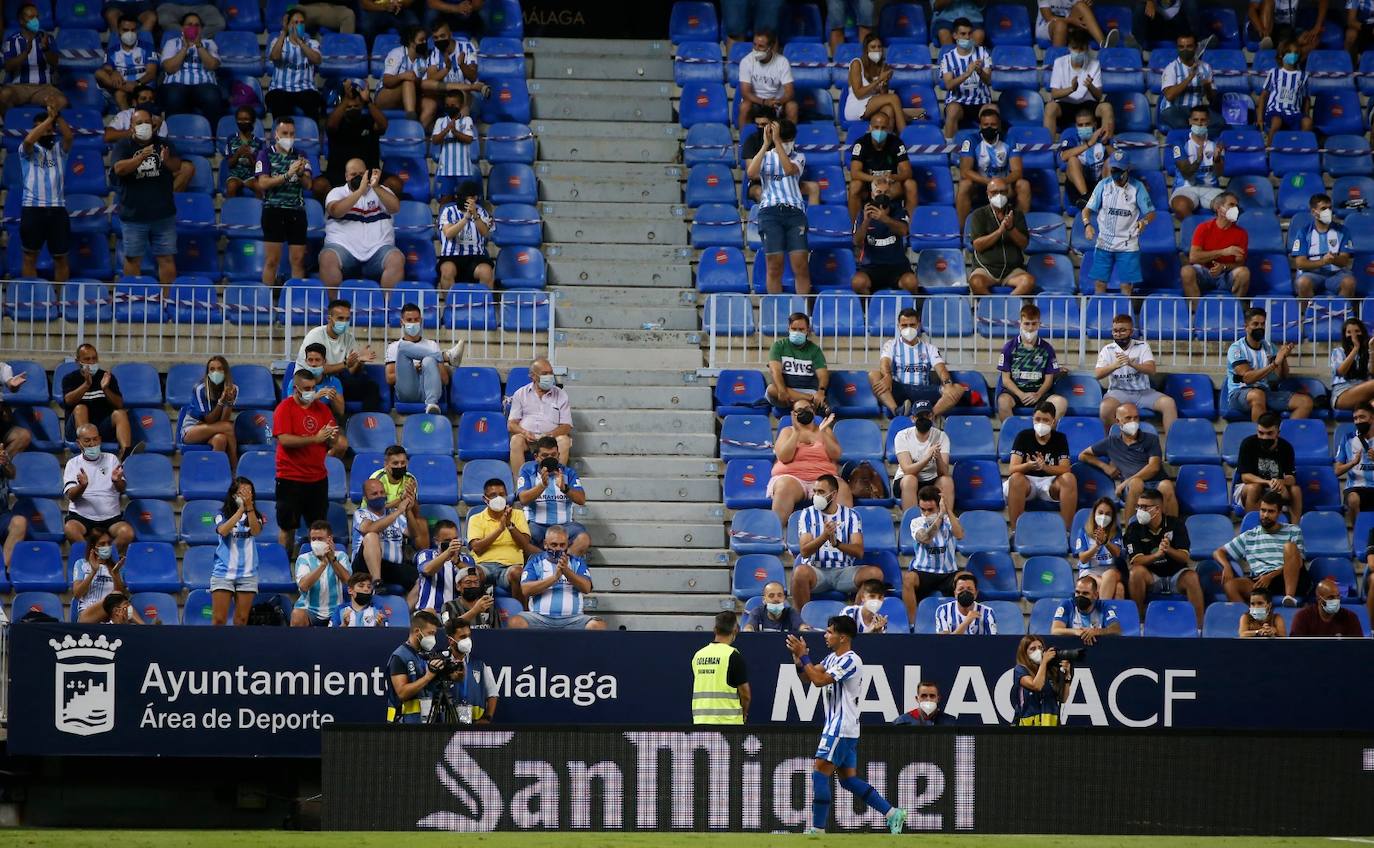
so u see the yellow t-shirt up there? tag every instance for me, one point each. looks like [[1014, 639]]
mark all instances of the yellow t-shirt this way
[[503, 550]]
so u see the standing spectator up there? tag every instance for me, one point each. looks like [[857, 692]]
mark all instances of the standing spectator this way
[[752, 143], [985, 159], [1355, 461], [1076, 83], [304, 429], [240, 154], [880, 235], [13, 438], [1127, 364], [280, 177], [1276, 22], [1284, 102], [1253, 370], [121, 126], [783, 225], [1029, 368], [922, 458], [538, 409], [320, 577], [1359, 26], [946, 16], [31, 64], [1123, 210], [189, 62], [337, 15], [963, 615], [209, 418], [1258, 620], [830, 539], [451, 146], [934, 568], [43, 218], [168, 14], [1157, 557], [1273, 555], [439, 567], [473, 602], [1267, 463], [1042, 684], [907, 366], [774, 615], [1201, 164], [360, 611], [499, 538], [294, 56], [405, 68], [464, 226], [344, 357], [92, 482], [548, 490], [868, 600], [927, 712], [1216, 258], [879, 153], [452, 70], [97, 574], [1187, 82], [1097, 547], [1325, 617], [144, 168], [1000, 236], [380, 536], [378, 16], [554, 582], [869, 76], [966, 72], [1134, 460], [128, 65], [1323, 253], [91, 395], [359, 237], [328, 391], [797, 366], [234, 575], [354, 130], [1040, 468], [1070, 22], [1085, 152], [765, 78], [1351, 386], [416, 367], [805, 451]]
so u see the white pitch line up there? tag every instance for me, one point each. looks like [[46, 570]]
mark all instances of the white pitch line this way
[[1351, 839]]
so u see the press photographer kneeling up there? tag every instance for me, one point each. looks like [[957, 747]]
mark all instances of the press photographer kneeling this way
[[1042, 682]]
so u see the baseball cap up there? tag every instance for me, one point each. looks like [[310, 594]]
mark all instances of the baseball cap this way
[[920, 407], [1119, 162]]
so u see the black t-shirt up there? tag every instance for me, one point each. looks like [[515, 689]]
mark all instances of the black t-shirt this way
[[1255, 458], [736, 673], [1140, 539], [879, 160], [356, 138], [881, 245], [489, 620], [146, 194], [1055, 452], [98, 407]]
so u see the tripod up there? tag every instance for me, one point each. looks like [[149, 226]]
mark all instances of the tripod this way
[[442, 710]]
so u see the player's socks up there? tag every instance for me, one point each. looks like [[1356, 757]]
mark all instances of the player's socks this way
[[820, 800], [866, 793]]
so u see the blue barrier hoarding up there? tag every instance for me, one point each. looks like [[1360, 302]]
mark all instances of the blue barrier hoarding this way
[[263, 691]]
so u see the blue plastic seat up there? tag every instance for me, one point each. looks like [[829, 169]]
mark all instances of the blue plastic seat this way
[[978, 485], [365, 464], [838, 313], [1244, 152], [151, 520], [1046, 577], [509, 101], [740, 392], [482, 435], [717, 225], [257, 388], [477, 472], [905, 22], [1235, 433], [829, 226], [191, 134], [521, 268], [708, 143], [934, 226], [204, 474], [816, 613], [469, 307], [509, 142], [198, 522], [44, 516], [37, 567], [1222, 619], [156, 607], [44, 602], [197, 609], [746, 481], [138, 383], [1320, 489], [1170, 619], [525, 312], [475, 388], [850, 396], [261, 468], [1207, 533], [512, 182], [1324, 534], [810, 61], [1123, 70], [697, 61], [1347, 155], [1337, 113], [860, 440], [746, 437], [722, 269], [1308, 438], [1338, 569], [1005, 24], [239, 53], [1083, 393], [984, 530], [422, 433], [1194, 395], [436, 478], [152, 567], [755, 531], [1040, 534], [150, 476], [370, 432], [1192, 441], [1202, 489], [703, 103], [879, 534], [1014, 66]]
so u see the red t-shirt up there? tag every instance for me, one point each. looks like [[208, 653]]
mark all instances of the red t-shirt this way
[[1208, 236], [303, 464], [1308, 622]]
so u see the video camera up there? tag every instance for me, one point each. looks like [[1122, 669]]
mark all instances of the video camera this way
[[442, 663]]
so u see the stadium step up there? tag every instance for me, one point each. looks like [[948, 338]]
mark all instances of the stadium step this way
[[616, 230], [649, 579], [599, 67], [700, 443], [618, 511], [645, 534], [657, 557], [650, 130], [669, 425], [615, 210], [626, 317], [681, 623], [683, 298], [607, 150], [678, 489], [624, 48], [623, 275], [574, 91], [665, 173], [656, 349], [667, 469], [601, 108], [660, 602], [568, 185], [589, 397]]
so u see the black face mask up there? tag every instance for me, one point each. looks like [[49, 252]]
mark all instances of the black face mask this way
[[1083, 603], [1186, 55], [965, 598], [1122, 341], [472, 593], [48, 140], [246, 129], [924, 424], [804, 416], [442, 44], [990, 134], [1257, 335], [363, 598], [355, 183], [454, 111], [398, 473], [1362, 427], [1269, 444]]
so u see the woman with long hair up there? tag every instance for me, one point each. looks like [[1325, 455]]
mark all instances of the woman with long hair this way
[[1351, 385], [1097, 546], [234, 575], [209, 418], [96, 575], [869, 76], [1042, 684]]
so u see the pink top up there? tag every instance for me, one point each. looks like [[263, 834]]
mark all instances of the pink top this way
[[539, 414], [809, 462]]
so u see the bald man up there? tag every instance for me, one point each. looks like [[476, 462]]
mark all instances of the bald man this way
[[539, 409], [1000, 236], [1132, 458], [93, 482], [359, 238]]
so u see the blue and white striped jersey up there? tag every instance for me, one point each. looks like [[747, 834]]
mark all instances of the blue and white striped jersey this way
[[912, 364], [102, 585], [35, 69], [972, 91], [1194, 95], [990, 160], [192, 70], [236, 556], [779, 188], [365, 617], [847, 525], [562, 598], [392, 536], [1101, 558], [454, 157], [1241, 352], [398, 61], [295, 71], [553, 506], [442, 586], [937, 555], [1361, 475], [1363, 9], [326, 593], [1206, 173], [464, 53], [841, 698], [1286, 90], [856, 612], [469, 241], [43, 170], [1337, 357], [948, 617], [1119, 209], [1100, 615], [131, 63], [1312, 243]]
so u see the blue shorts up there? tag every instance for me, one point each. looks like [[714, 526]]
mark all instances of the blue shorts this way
[[1126, 263], [1288, 121], [782, 229], [159, 236], [863, 12], [539, 621], [444, 186], [835, 579], [901, 392], [1274, 400], [1207, 281], [843, 751], [948, 23], [1321, 281], [351, 267], [537, 531]]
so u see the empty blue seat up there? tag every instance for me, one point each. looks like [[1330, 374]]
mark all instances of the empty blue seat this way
[[1040, 534], [204, 474], [370, 432], [198, 609], [703, 103], [1016, 67], [755, 531], [850, 396], [1244, 152], [1347, 155], [970, 437], [37, 567], [364, 466], [475, 388], [1338, 569], [860, 440], [1082, 391], [482, 435], [156, 607], [1194, 395], [691, 20], [509, 142], [1171, 619], [423, 433], [509, 101], [44, 517], [512, 183], [198, 522], [139, 383], [829, 226], [816, 613], [697, 61], [978, 485], [239, 53], [1202, 489], [838, 313], [746, 481], [717, 225], [708, 143], [1320, 489], [1308, 438], [1005, 24], [984, 530], [1192, 441], [436, 478], [1324, 534], [722, 269], [152, 567], [469, 307], [150, 476], [521, 268], [739, 391], [43, 602], [257, 388], [191, 134], [151, 520], [934, 226], [746, 437], [477, 472], [1222, 619], [1046, 577], [525, 312], [1123, 70]]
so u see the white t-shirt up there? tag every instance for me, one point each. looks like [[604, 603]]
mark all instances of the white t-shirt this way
[[100, 501], [335, 350], [122, 121], [366, 229], [908, 442], [768, 80], [393, 349], [1064, 72], [1126, 378]]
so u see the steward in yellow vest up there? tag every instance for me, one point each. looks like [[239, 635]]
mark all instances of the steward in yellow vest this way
[[720, 681]]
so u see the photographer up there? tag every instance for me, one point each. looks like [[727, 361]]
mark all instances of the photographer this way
[[412, 668], [1041, 684], [880, 234], [473, 603], [440, 569], [464, 690]]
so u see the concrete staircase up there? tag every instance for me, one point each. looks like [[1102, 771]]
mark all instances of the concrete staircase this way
[[619, 267]]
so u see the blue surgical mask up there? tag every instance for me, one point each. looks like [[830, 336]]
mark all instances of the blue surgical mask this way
[[340, 327], [103, 551], [776, 609], [317, 370], [411, 329], [546, 382], [216, 377], [308, 395], [300, 30], [879, 136], [797, 337], [1331, 606], [965, 43], [32, 25], [376, 504], [1085, 133], [1078, 57], [1290, 58], [1200, 132], [91, 453]]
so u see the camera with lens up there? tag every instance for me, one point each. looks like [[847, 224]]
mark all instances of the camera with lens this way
[[442, 663], [550, 464], [1071, 655]]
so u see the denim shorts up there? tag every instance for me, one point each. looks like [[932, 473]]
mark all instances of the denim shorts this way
[[782, 229], [1274, 400], [160, 236], [1321, 280], [350, 267], [539, 621], [242, 584]]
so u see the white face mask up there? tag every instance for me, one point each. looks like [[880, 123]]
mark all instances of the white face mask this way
[[1041, 429], [1259, 613], [319, 548], [1324, 216], [465, 645], [497, 504], [285, 144], [1232, 213], [1035, 656], [927, 708], [1030, 336], [875, 56], [1142, 516], [1102, 520], [873, 604], [143, 132], [909, 334], [128, 39], [820, 502], [760, 56], [427, 643], [998, 201], [1130, 428]]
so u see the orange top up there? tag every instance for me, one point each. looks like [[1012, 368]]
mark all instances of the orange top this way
[[809, 462]]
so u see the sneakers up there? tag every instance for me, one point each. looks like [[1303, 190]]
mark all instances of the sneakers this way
[[1112, 38], [896, 817], [433, 409], [1289, 601], [1266, 43], [454, 355], [812, 831]]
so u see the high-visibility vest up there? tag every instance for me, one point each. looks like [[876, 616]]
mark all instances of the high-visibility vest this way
[[713, 700]]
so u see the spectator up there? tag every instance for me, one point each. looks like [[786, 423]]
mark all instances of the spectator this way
[[865, 609], [377, 16], [359, 238], [739, 17], [1368, 570], [548, 489], [830, 539], [1267, 463], [168, 14], [143, 167], [1217, 255], [471, 685], [1355, 461], [880, 235], [1000, 235], [934, 567], [1087, 617], [141, 10], [451, 146], [966, 72], [354, 130], [31, 64], [858, 11], [1351, 386], [782, 219], [1284, 101], [304, 429], [879, 153], [406, 67], [752, 143], [91, 395], [14, 528], [1157, 557], [189, 62], [96, 575], [963, 615], [1187, 82], [121, 126], [43, 218], [234, 575], [1070, 22], [1040, 468], [473, 603], [1123, 210], [538, 409], [1200, 164], [796, 366], [320, 577], [452, 71], [1253, 370], [1134, 460], [416, 366], [397, 482], [209, 418], [280, 176], [464, 226], [359, 611], [344, 357], [946, 15], [1273, 555], [774, 614], [328, 391], [1359, 27], [765, 78], [1325, 617], [1323, 253], [240, 154], [116, 608], [1127, 364], [554, 583], [927, 712], [922, 458], [294, 57], [1029, 368], [905, 366], [805, 451], [1041, 684], [14, 438], [1276, 22], [337, 15], [869, 77], [984, 159], [128, 65], [92, 483], [1258, 620], [380, 536], [439, 567], [1085, 152], [499, 538], [1076, 81], [1097, 547]]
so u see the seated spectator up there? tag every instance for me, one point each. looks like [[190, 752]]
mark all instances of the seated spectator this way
[[359, 611], [337, 15], [1029, 368], [144, 169], [867, 602], [141, 10], [1127, 364], [280, 176], [14, 438], [1355, 462], [209, 418], [984, 159], [1217, 255], [406, 66], [1254, 367], [14, 528], [1040, 468], [294, 57], [927, 712], [377, 16], [782, 223], [440, 568], [1085, 152], [765, 78], [359, 237], [762, 117], [554, 583], [774, 614], [168, 14], [397, 482], [344, 357], [796, 366], [805, 451], [452, 71], [234, 575], [1325, 617], [905, 368], [320, 577], [1164, 21], [43, 219], [97, 574], [538, 409], [1201, 163], [1368, 569], [1284, 101], [1187, 82], [499, 538], [121, 126], [240, 154], [116, 608], [91, 396], [1157, 556], [328, 391], [1323, 252], [1076, 82], [831, 539], [416, 367], [868, 81], [464, 226], [880, 153], [451, 146], [945, 20], [1267, 463], [473, 603], [304, 429], [189, 63], [880, 236], [380, 536], [1059, 21], [1086, 617], [966, 72], [934, 567], [1134, 460], [1351, 386], [1258, 621], [1123, 209], [1000, 236], [354, 130], [31, 64], [1273, 22], [1359, 28], [93, 482], [1042, 684], [922, 458], [128, 64], [548, 490], [1097, 547], [1273, 556], [963, 615]]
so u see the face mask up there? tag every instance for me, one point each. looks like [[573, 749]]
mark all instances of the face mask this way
[[91, 453], [465, 645], [285, 144], [355, 183], [1084, 604], [192, 32], [923, 425], [909, 334], [1233, 213], [454, 111], [1142, 516], [820, 502], [998, 201], [879, 136], [1123, 341], [216, 377], [340, 327], [1120, 177], [1035, 656], [788, 147], [1085, 133], [1078, 57], [762, 56], [965, 598], [1199, 131], [497, 504], [317, 370], [1103, 521], [319, 548], [308, 396], [927, 708], [362, 599], [1257, 335], [1259, 613], [1362, 428], [128, 39], [989, 134], [427, 643], [546, 382], [143, 132], [300, 30], [804, 417], [31, 25], [1290, 58], [442, 44], [875, 56], [103, 551], [1030, 336], [246, 129], [376, 504], [1041, 429], [776, 609], [1130, 428], [398, 474], [1324, 216], [1331, 606], [964, 43], [796, 337], [411, 329], [1186, 56], [873, 604]]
